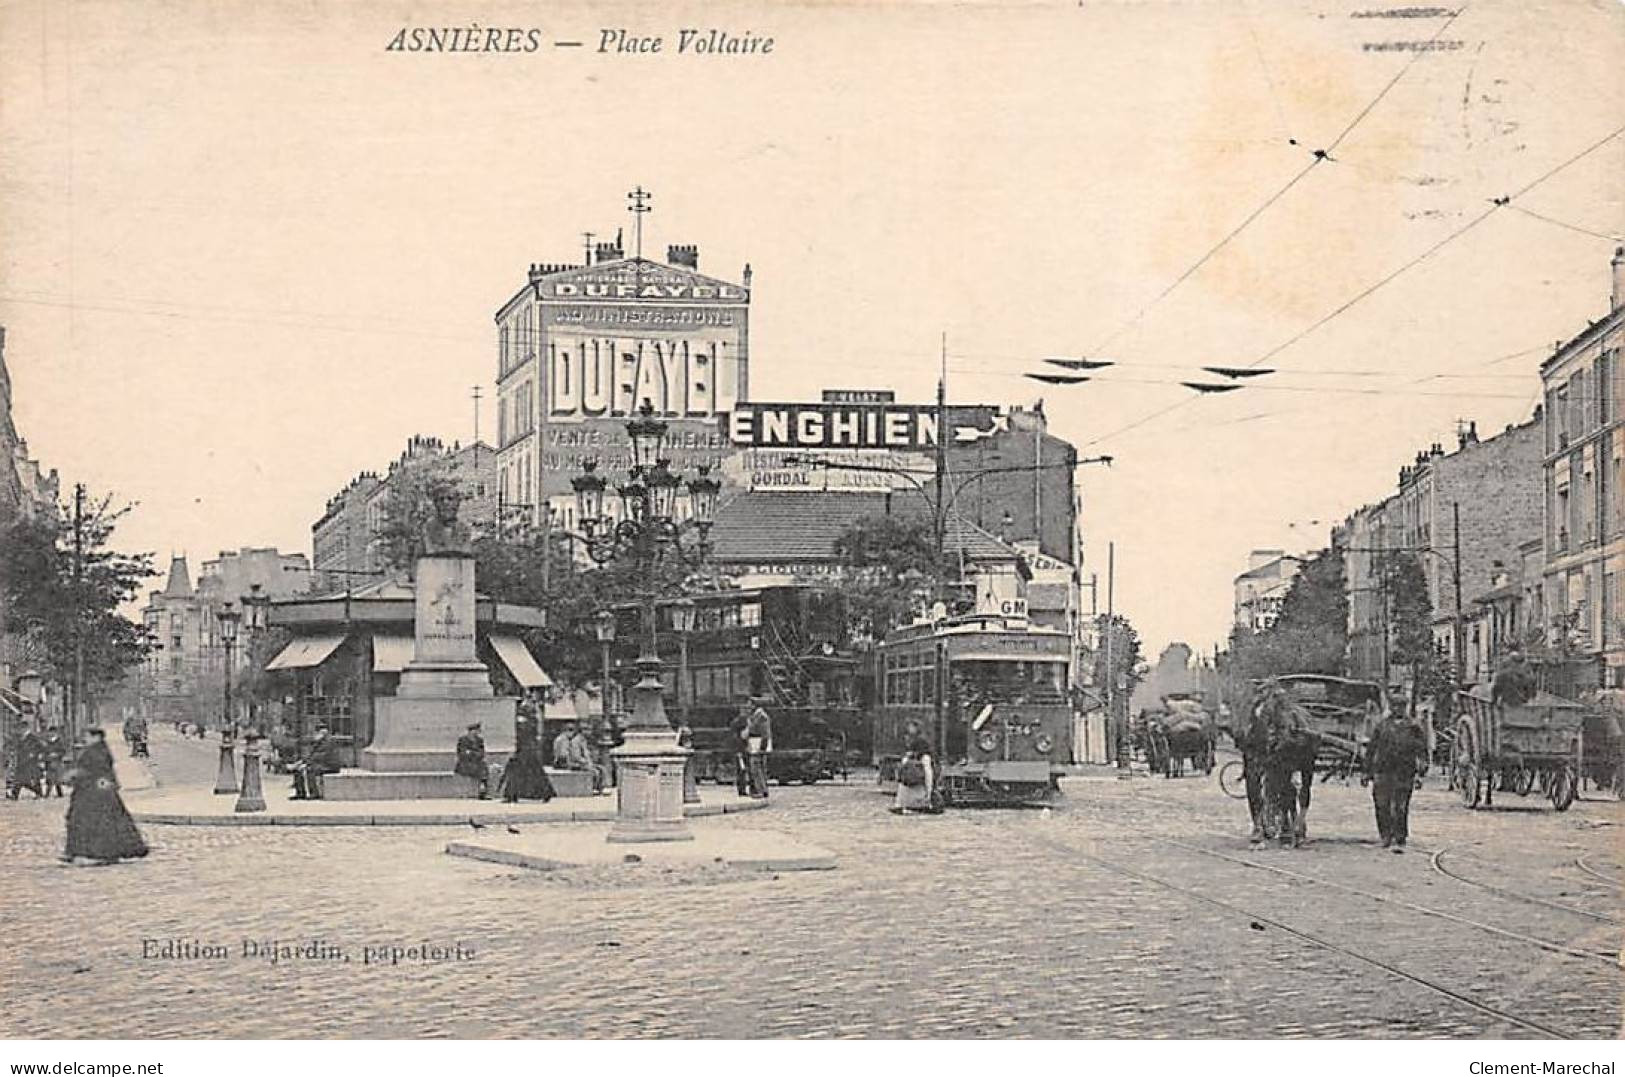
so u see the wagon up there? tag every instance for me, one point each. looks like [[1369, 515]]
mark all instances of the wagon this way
[[1516, 746], [1342, 712]]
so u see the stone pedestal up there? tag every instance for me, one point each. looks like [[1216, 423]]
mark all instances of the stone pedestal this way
[[649, 804], [443, 690]]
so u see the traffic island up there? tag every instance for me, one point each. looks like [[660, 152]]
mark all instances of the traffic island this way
[[199, 807], [559, 849]]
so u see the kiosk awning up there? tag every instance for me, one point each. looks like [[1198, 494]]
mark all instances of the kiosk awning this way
[[390, 654], [516, 656], [305, 652]]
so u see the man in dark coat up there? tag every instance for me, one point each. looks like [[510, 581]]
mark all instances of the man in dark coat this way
[[471, 759], [322, 758], [1397, 753], [54, 752], [741, 733], [27, 763], [1514, 680]]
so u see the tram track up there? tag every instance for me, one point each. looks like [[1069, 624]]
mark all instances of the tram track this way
[[1611, 960], [1437, 861], [1585, 866], [1310, 938]]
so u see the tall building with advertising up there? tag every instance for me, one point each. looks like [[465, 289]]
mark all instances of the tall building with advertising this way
[[581, 347]]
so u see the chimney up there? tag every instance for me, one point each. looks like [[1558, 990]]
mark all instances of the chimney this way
[[606, 252], [683, 254], [1618, 265]]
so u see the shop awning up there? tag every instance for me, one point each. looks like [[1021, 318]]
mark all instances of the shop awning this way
[[305, 652], [390, 654], [516, 656]]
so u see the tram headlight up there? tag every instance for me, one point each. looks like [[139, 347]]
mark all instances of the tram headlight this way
[[987, 741], [1043, 743]]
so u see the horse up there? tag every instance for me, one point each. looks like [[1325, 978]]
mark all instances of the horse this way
[[1278, 756]]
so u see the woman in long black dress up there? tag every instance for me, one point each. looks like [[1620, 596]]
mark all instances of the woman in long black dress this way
[[99, 826], [525, 777]]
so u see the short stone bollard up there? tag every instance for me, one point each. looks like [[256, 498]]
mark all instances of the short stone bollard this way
[[226, 780], [252, 797]]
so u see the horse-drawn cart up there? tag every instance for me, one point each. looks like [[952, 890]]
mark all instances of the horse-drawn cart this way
[[1517, 746], [1340, 712]]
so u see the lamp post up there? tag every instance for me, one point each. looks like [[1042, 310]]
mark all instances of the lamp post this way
[[604, 626], [254, 623], [650, 762], [226, 779], [682, 622]]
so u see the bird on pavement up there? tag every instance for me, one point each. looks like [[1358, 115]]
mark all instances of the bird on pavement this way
[[513, 830]]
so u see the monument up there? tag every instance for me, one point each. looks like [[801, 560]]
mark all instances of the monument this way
[[443, 690]]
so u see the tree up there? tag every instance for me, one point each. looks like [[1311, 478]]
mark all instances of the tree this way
[[891, 571], [1410, 633], [1310, 635], [408, 506], [62, 585], [1119, 665]]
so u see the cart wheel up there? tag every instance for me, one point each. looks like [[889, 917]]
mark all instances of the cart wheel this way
[[1233, 779], [1526, 781], [1562, 789]]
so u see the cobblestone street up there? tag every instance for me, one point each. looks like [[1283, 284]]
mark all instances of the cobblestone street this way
[[1132, 909]]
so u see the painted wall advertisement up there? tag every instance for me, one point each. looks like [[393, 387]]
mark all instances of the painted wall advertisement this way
[[617, 337]]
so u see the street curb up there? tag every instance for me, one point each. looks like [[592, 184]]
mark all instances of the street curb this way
[[592, 815]]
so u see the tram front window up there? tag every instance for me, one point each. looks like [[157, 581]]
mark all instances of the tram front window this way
[[1011, 680]]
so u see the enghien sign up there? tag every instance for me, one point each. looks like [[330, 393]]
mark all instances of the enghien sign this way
[[833, 426]]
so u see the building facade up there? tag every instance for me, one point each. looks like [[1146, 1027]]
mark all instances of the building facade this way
[[345, 540], [183, 677], [1465, 516], [1584, 491], [1262, 588], [581, 347]]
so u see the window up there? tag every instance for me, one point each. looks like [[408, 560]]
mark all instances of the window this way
[[750, 614]]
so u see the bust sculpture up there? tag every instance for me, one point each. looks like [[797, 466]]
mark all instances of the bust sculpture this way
[[443, 533]]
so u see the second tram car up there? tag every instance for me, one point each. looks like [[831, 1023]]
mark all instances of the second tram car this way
[[990, 694]]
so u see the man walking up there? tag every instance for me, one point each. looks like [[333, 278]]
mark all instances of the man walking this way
[[760, 733], [54, 752], [1396, 755], [741, 735]]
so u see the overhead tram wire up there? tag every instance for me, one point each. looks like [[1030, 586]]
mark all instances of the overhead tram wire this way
[[1615, 238], [1344, 307], [1320, 155], [1435, 248]]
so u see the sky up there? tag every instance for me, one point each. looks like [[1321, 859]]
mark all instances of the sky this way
[[248, 250]]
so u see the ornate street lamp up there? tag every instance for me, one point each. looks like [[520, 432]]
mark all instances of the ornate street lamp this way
[[604, 625], [226, 779], [682, 622], [648, 533]]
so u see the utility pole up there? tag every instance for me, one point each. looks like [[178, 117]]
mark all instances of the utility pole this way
[[78, 607], [940, 517], [1118, 732], [1455, 570], [476, 392]]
